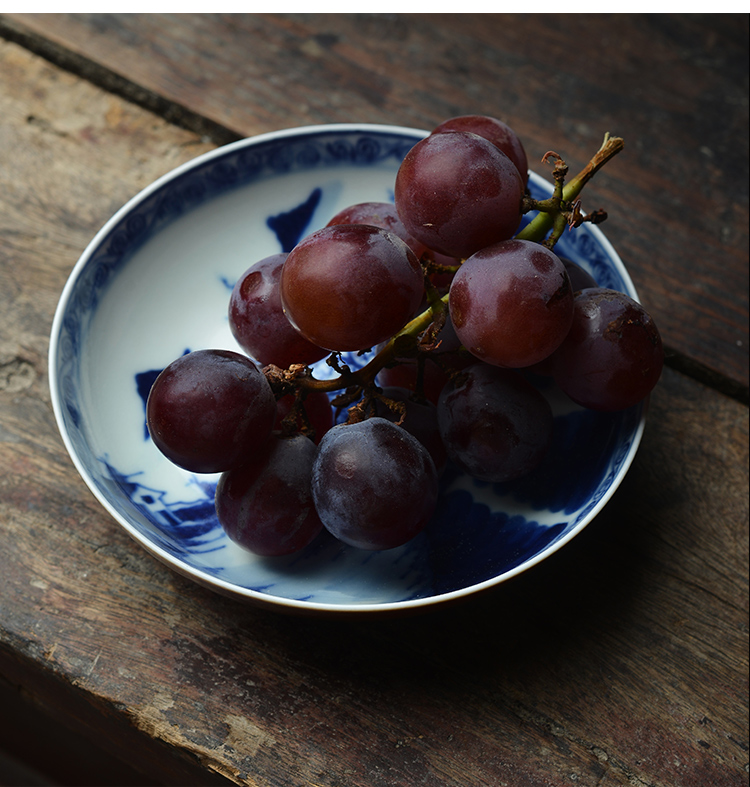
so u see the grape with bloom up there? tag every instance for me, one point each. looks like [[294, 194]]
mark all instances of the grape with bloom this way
[[512, 303], [374, 484], [494, 424], [458, 193], [210, 409], [500, 134], [350, 286], [460, 308], [265, 504]]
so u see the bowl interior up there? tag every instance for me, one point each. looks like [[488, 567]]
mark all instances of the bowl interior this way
[[155, 283]]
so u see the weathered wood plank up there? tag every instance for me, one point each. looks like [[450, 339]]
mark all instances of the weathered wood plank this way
[[675, 87], [621, 660]]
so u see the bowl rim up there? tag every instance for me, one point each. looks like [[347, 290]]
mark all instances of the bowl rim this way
[[222, 586]]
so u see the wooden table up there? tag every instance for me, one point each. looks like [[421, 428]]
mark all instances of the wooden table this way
[[621, 660]]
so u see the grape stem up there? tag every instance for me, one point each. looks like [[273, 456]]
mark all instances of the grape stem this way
[[560, 210], [537, 228], [404, 342]]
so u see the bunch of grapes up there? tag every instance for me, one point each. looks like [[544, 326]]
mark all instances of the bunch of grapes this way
[[458, 305]]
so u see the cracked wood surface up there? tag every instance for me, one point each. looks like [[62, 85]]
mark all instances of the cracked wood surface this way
[[621, 660]]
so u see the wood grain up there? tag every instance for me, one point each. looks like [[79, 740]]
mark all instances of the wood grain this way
[[675, 87], [621, 660]]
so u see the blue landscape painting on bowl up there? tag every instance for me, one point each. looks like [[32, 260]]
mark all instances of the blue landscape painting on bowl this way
[[480, 530]]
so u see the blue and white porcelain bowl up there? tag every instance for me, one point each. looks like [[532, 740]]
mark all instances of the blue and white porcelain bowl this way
[[155, 282]]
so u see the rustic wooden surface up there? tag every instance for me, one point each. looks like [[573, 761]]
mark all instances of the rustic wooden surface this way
[[621, 660], [674, 87]]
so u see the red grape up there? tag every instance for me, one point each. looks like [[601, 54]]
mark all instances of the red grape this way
[[351, 286], [258, 322], [210, 410], [612, 356], [498, 133], [457, 193], [511, 303], [266, 504], [494, 424], [378, 214], [375, 486]]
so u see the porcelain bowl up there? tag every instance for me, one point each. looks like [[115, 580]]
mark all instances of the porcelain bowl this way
[[155, 283]]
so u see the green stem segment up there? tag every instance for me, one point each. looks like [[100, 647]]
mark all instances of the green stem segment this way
[[536, 230], [384, 356]]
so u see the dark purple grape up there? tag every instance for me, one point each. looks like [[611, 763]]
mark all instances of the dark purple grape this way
[[258, 322], [612, 356], [580, 279], [458, 193], [210, 410], [498, 133], [511, 303], [420, 420], [266, 504], [378, 214], [375, 486], [495, 425], [351, 286]]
